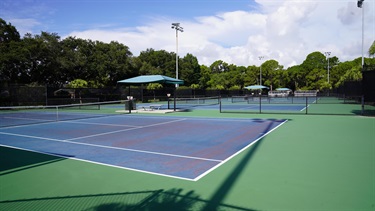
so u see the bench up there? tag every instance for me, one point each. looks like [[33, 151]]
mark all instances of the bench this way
[[152, 107]]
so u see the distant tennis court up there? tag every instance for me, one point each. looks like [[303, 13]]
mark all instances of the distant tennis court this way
[[295, 105], [180, 147]]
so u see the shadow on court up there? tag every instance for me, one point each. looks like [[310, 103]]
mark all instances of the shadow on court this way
[[23, 160], [172, 199], [216, 200]]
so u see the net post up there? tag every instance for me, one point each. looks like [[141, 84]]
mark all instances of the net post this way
[[130, 106], [57, 113], [306, 104], [260, 103], [363, 105], [220, 104], [174, 96]]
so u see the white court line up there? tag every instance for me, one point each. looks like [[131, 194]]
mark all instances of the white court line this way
[[127, 129], [305, 107], [24, 118], [220, 162], [103, 164], [92, 123], [117, 148]]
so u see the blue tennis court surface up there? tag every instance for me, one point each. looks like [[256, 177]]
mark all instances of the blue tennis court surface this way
[[185, 148]]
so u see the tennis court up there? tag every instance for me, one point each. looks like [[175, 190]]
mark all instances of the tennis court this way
[[186, 148], [196, 160], [317, 105]]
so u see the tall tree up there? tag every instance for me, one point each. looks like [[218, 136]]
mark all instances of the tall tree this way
[[8, 32], [43, 51], [190, 69], [270, 72], [9, 52], [205, 76], [162, 62], [251, 76], [219, 66], [312, 70]]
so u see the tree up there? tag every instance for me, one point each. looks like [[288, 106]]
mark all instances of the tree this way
[[75, 58], [351, 71], [162, 62], [190, 69], [153, 87], [8, 33], [205, 74], [270, 72], [251, 75], [9, 52], [371, 51], [312, 70], [45, 58], [219, 66], [78, 83], [236, 76]]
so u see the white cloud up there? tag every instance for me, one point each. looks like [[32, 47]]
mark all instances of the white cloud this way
[[286, 31], [24, 25]]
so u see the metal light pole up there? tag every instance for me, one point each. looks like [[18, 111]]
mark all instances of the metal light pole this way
[[178, 28], [327, 55], [360, 5], [260, 75]]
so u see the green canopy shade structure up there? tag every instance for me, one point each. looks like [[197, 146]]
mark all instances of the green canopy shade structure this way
[[146, 79], [256, 87], [283, 89]]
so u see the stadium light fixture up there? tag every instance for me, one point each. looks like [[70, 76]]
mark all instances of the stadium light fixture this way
[[260, 71], [360, 5], [327, 55], [177, 27]]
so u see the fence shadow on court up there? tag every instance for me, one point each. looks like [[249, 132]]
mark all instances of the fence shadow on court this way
[[221, 192], [23, 160], [173, 199]]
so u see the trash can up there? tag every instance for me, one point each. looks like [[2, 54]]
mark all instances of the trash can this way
[[133, 105], [130, 105]]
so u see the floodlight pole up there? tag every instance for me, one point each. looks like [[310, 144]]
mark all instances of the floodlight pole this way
[[360, 5], [327, 55], [260, 75], [177, 27]]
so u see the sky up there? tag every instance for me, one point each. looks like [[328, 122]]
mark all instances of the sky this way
[[235, 31]]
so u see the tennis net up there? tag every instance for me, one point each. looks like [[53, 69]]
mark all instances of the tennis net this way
[[193, 102], [21, 115]]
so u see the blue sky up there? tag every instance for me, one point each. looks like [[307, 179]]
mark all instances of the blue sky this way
[[235, 31]]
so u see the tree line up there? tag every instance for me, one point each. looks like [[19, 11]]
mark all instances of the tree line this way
[[45, 58]]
